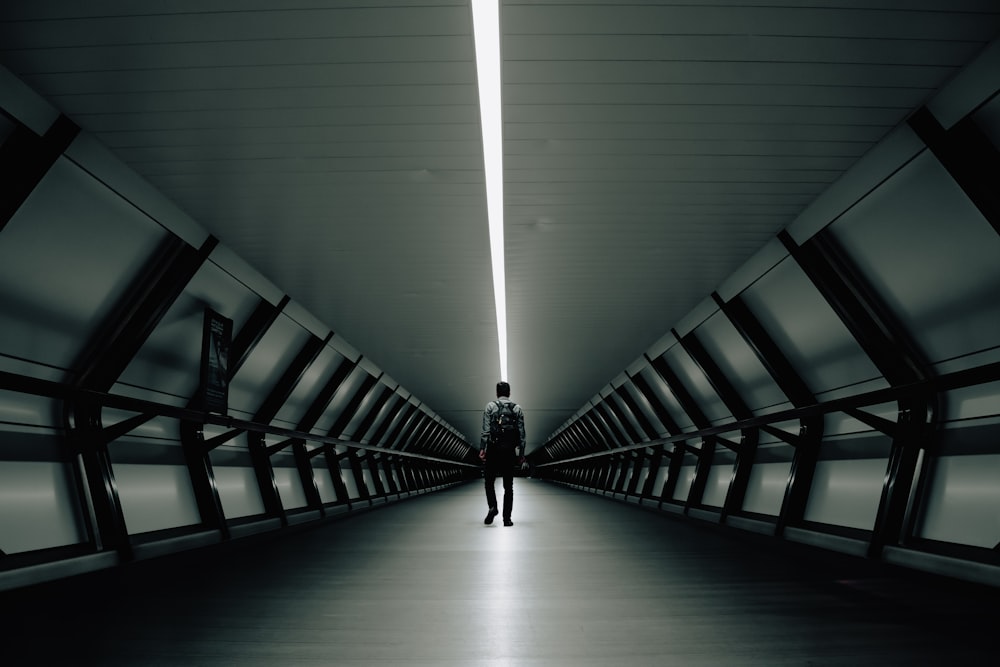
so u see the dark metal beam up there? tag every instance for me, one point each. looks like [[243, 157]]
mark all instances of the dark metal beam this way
[[347, 414], [303, 456], [413, 482], [115, 431], [111, 348], [25, 158], [612, 405], [60, 390], [886, 342], [108, 528], [740, 481], [260, 320], [673, 472], [705, 458], [655, 461], [690, 406], [801, 472], [735, 447], [942, 383], [303, 464], [969, 155], [637, 468], [260, 459], [894, 352], [602, 412], [336, 475], [397, 465], [767, 352], [456, 446], [373, 413], [322, 400], [684, 398], [775, 362], [914, 431], [886, 426], [567, 444], [597, 432], [567, 440], [121, 335], [550, 448], [963, 378], [221, 439], [359, 474], [658, 408], [417, 422], [199, 466], [572, 439], [435, 437], [291, 377], [260, 453], [621, 471], [746, 450], [387, 469], [371, 459], [408, 415], [419, 434], [578, 438], [392, 411], [284, 444], [604, 470], [793, 439], [720, 383], [196, 448], [640, 417]]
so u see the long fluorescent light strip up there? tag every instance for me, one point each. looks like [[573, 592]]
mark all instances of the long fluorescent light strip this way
[[486, 27]]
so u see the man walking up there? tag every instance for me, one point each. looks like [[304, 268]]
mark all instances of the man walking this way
[[501, 448]]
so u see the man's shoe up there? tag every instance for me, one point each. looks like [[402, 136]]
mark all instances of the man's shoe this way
[[491, 515], [508, 522]]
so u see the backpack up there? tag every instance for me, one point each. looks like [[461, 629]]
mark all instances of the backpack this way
[[504, 433]]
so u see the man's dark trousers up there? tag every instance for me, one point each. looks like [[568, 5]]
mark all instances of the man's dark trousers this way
[[500, 464]]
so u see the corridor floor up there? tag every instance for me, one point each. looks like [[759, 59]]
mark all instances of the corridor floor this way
[[578, 580]]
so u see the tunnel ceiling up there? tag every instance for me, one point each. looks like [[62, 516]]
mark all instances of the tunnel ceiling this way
[[650, 150]]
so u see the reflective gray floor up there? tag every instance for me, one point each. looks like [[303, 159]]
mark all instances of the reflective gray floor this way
[[578, 580]]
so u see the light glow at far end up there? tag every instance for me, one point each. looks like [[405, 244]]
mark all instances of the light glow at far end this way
[[486, 28]]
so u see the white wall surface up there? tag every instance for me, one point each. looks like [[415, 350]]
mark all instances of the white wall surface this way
[[963, 501], [38, 507], [238, 491], [846, 493], [717, 485], [766, 488], [155, 497]]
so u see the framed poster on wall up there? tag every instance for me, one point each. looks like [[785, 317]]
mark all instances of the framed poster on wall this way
[[216, 339]]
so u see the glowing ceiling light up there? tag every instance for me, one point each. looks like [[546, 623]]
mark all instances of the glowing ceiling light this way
[[486, 28]]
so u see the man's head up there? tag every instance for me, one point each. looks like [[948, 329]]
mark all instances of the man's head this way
[[503, 389]]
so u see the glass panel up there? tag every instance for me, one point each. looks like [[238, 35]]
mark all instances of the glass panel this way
[[805, 328], [931, 256], [738, 362]]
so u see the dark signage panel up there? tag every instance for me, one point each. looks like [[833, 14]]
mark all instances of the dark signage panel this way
[[216, 340]]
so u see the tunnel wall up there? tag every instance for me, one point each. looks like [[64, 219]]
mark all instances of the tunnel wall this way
[[842, 389], [111, 447]]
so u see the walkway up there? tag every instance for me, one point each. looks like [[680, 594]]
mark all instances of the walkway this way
[[578, 580]]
